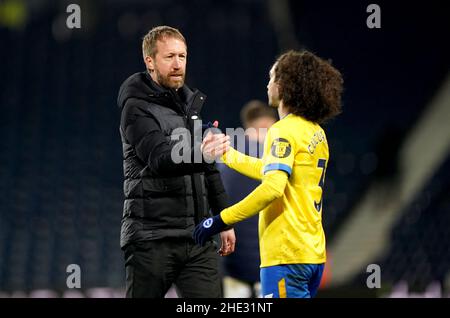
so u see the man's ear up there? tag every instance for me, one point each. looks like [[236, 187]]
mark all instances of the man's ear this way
[[150, 63]]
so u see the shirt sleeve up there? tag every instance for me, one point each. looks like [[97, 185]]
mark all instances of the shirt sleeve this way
[[279, 150], [246, 165], [271, 188]]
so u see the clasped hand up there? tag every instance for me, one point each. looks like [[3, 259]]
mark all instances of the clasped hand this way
[[214, 146]]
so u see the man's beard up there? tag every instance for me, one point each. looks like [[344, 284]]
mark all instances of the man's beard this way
[[168, 82]]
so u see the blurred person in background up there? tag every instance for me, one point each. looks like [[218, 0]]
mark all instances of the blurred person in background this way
[[164, 200], [241, 268], [307, 92]]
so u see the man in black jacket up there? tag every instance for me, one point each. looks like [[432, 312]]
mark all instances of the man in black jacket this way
[[164, 200]]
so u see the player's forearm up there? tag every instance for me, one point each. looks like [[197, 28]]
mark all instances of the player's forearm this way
[[272, 188], [246, 165]]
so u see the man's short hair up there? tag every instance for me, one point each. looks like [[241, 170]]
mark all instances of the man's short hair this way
[[256, 109], [159, 33], [309, 86]]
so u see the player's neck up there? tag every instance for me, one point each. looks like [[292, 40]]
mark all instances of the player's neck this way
[[282, 110]]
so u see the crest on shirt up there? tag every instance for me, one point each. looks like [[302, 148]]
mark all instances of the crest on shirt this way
[[281, 148]]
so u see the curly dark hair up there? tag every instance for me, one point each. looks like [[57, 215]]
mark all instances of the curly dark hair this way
[[309, 86]]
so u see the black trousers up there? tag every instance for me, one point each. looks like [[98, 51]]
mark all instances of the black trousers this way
[[153, 266]]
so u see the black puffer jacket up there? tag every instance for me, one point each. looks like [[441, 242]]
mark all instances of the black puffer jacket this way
[[163, 198]]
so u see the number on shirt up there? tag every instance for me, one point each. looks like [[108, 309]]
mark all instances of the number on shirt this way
[[322, 164]]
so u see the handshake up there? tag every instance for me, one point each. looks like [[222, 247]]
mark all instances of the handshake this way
[[214, 145]]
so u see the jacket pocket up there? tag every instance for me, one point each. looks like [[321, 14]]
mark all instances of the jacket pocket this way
[[165, 202]]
